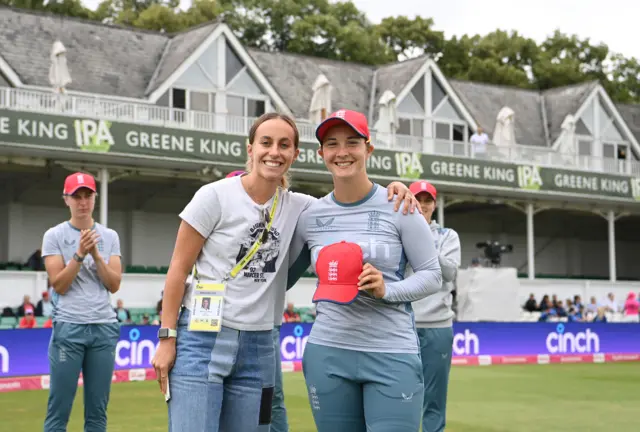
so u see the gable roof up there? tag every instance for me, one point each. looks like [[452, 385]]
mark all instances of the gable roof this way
[[102, 59], [394, 77], [293, 75], [7, 74], [3, 82], [485, 101], [631, 116], [561, 101], [177, 51]]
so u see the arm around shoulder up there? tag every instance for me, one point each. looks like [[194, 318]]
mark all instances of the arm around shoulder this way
[[299, 254]]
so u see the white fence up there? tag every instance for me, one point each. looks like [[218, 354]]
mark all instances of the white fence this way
[[102, 107]]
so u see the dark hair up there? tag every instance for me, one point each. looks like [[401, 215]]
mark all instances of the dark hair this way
[[252, 136]]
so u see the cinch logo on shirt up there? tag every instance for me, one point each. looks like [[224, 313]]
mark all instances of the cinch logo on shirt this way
[[371, 249]]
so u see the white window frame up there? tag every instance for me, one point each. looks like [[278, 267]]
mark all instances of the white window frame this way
[[263, 98]]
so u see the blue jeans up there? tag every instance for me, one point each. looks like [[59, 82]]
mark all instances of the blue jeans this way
[[75, 347], [436, 347], [279, 422], [221, 382], [358, 391]]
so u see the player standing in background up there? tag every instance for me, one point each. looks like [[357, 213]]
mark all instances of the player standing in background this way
[[434, 315], [82, 259], [361, 362]]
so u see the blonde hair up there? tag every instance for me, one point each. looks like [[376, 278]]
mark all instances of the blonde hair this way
[[286, 179]]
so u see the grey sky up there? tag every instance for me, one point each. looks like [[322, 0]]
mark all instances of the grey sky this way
[[613, 22]]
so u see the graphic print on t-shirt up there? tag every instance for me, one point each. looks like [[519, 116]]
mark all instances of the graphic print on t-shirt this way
[[264, 260]]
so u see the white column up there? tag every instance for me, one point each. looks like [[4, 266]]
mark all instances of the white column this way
[[440, 209], [103, 178], [530, 243], [611, 222]]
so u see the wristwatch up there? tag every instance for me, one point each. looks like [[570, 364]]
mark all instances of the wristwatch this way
[[78, 257], [166, 333]]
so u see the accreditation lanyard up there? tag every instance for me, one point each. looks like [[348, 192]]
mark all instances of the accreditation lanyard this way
[[259, 242]]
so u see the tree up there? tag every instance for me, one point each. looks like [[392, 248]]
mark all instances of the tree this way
[[411, 37]]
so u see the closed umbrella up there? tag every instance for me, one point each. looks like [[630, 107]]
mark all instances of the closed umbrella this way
[[59, 76]]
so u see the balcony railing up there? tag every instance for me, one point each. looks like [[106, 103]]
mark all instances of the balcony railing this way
[[144, 113]]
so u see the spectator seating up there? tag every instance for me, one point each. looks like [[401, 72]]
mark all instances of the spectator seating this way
[[535, 316]]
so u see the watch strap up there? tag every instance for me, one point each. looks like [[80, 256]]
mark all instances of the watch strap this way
[[78, 257], [164, 333]]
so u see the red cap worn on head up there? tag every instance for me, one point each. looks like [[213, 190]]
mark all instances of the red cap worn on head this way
[[78, 180], [422, 186], [338, 267], [235, 173], [357, 121]]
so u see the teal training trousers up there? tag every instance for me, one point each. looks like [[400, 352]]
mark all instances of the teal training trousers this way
[[89, 348], [357, 391], [436, 346]]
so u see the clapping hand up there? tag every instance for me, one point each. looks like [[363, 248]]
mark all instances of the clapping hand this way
[[88, 242]]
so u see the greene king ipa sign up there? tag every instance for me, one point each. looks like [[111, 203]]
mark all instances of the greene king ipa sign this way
[[103, 136]]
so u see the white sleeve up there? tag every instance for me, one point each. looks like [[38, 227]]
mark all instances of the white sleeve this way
[[203, 211]]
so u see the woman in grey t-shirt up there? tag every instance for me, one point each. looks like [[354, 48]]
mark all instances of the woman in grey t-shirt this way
[[82, 259]]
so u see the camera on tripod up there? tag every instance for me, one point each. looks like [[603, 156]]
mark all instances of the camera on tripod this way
[[493, 251]]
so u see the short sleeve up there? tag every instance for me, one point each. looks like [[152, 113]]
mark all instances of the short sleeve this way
[[203, 211], [50, 244], [115, 246]]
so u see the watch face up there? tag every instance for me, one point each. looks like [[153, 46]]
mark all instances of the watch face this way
[[163, 333]]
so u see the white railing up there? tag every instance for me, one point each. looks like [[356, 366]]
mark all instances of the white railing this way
[[144, 113]]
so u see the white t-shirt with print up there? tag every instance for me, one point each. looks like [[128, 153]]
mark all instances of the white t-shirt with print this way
[[230, 221]]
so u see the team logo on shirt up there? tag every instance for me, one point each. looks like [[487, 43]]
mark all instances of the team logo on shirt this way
[[324, 224], [373, 224], [264, 260]]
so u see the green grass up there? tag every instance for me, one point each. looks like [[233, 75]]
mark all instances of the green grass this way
[[481, 399]]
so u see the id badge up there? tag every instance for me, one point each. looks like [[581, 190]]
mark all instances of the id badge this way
[[208, 304]]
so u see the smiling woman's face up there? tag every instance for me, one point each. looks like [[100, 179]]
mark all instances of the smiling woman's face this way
[[344, 151], [273, 150]]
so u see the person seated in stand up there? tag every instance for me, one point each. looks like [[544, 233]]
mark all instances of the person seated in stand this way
[[27, 321], [290, 315]]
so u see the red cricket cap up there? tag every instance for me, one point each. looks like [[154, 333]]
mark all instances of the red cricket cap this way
[[338, 267], [422, 186], [357, 121], [78, 180], [235, 173]]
